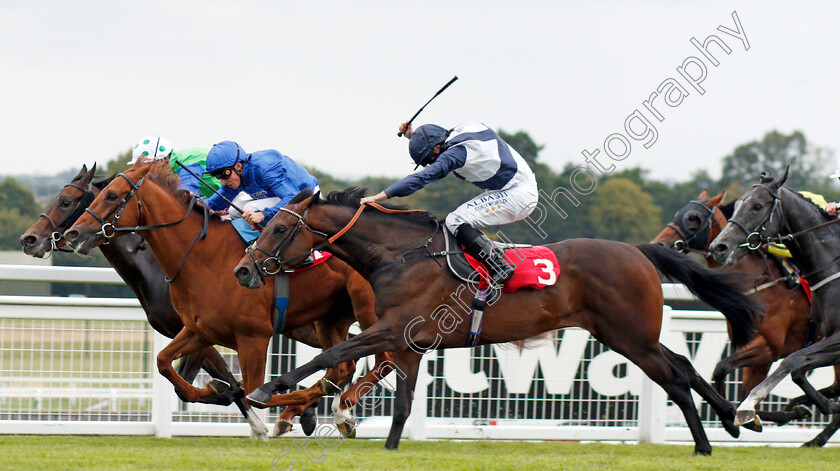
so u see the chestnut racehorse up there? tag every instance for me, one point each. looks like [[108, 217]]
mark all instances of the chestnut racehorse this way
[[611, 289], [785, 325], [194, 251]]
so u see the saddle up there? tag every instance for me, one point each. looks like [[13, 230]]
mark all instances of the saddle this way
[[457, 261]]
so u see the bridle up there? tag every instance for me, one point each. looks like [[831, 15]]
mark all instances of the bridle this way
[[699, 239], [754, 239], [57, 234], [109, 229], [274, 257], [272, 265]]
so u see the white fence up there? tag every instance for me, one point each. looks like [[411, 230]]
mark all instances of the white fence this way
[[86, 366]]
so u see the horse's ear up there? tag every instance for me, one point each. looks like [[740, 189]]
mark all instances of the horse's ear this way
[[716, 200], [703, 194], [88, 177], [314, 199], [781, 180]]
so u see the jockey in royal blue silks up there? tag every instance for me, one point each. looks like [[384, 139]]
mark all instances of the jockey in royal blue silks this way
[[267, 178], [475, 153]]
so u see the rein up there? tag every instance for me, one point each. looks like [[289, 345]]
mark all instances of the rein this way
[[760, 240], [118, 210], [274, 257]]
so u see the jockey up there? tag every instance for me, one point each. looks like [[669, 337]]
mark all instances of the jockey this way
[[154, 147], [475, 153], [269, 177]]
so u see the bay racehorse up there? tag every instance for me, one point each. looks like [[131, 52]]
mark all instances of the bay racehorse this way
[[771, 212], [611, 289], [193, 249], [137, 266], [786, 325]]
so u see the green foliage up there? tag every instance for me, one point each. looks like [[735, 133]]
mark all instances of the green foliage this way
[[13, 195], [623, 211], [116, 165], [809, 165], [12, 226]]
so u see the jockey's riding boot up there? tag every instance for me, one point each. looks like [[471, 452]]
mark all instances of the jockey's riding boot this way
[[486, 252]]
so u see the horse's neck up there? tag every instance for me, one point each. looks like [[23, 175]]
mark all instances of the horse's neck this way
[[812, 250], [221, 247], [370, 244]]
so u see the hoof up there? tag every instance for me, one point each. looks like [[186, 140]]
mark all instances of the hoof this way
[[308, 421], [261, 435], [733, 430], [281, 427], [259, 396], [813, 444], [218, 385], [755, 425], [802, 412], [347, 428], [744, 416], [329, 387], [702, 452]]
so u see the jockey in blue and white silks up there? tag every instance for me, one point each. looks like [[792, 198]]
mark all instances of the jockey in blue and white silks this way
[[475, 153], [270, 179]]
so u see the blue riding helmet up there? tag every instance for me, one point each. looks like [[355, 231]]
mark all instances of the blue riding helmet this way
[[423, 141], [223, 155]]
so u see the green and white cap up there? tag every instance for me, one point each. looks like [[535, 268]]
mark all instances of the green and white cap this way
[[152, 147]]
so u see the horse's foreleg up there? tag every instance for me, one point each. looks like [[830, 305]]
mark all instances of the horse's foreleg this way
[[184, 343], [216, 367], [823, 437], [754, 354], [383, 336], [407, 367], [823, 353]]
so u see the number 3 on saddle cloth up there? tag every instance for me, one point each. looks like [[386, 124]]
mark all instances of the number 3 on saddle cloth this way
[[534, 267], [281, 289]]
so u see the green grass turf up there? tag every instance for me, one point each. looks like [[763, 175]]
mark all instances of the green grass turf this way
[[24, 453]]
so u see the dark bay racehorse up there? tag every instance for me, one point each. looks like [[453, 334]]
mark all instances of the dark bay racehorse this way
[[213, 308], [769, 209], [611, 289], [785, 325]]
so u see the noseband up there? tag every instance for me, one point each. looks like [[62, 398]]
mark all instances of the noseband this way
[[272, 265], [754, 238], [57, 234]]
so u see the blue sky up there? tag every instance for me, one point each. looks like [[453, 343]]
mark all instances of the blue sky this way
[[327, 83]]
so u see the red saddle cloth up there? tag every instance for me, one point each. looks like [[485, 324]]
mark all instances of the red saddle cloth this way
[[534, 267], [319, 256]]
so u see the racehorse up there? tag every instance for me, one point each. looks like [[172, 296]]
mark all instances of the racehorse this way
[[611, 289], [141, 272], [771, 212], [785, 326], [214, 309]]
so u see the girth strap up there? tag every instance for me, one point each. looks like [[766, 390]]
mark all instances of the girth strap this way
[[281, 302]]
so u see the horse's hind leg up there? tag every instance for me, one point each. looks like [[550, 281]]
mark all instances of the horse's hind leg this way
[[823, 437], [823, 353], [672, 378], [342, 406], [408, 363]]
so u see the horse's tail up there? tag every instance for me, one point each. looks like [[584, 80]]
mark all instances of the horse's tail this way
[[722, 291]]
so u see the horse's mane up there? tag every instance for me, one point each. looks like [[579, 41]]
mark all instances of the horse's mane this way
[[161, 173], [101, 182], [351, 196], [820, 210]]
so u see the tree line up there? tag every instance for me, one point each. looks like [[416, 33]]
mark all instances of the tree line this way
[[627, 205]]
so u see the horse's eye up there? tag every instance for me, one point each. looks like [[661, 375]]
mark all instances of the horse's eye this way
[[757, 206], [280, 229], [66, 203], [111, 197]]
